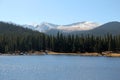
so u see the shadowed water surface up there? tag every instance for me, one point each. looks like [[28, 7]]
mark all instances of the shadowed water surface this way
[[59, 67]]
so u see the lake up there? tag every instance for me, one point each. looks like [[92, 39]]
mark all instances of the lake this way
[[59, 67]]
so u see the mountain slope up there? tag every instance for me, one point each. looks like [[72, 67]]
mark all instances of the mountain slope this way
[[108, 28], [43, 27], [75, 28], [80, 26], [111, 28], [48, 27], [10, 28]]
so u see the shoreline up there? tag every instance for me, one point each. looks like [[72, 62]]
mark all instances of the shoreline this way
[[88, 54], [37, 53]]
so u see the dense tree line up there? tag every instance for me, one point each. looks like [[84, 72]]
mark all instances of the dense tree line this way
[[19, 39], [59, 43]]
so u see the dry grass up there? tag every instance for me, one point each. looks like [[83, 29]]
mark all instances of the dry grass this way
[[113, 55], [81, 54], [90, 54]]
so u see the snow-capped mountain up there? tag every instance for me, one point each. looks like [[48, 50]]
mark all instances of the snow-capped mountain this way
[[80, 26], [43, 27]]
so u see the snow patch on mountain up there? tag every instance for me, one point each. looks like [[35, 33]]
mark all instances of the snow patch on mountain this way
[[80, 26]]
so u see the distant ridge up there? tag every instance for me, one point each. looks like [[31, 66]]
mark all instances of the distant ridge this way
[[75, 28]]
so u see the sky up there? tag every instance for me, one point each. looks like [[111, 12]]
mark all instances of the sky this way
[[59, 11]]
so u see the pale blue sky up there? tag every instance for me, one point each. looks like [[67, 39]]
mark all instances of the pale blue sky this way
[[59, 11]]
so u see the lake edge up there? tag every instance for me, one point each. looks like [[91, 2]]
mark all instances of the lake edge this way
[[37, 53]]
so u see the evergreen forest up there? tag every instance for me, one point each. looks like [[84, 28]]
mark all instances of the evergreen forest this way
[[16, 38]]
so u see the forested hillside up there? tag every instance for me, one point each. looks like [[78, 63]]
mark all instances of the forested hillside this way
[[15, 38]]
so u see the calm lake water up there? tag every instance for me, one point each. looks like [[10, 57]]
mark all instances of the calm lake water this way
[[59, 67]]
